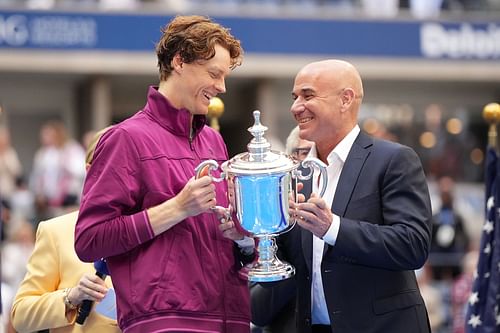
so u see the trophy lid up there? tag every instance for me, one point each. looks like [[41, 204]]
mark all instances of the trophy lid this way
[[260, 158]]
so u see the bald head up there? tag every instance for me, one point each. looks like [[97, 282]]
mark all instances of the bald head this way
[[340, 73]]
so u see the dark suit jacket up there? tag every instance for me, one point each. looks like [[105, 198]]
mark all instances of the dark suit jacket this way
[[385, 230], [279, 298]]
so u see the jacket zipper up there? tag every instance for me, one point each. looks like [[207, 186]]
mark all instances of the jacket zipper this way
[[217, 243]]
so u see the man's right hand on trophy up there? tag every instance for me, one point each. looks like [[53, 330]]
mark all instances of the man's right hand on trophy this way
[[197, 196]]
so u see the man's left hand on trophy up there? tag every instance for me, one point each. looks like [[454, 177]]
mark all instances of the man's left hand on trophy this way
[[227, 225]]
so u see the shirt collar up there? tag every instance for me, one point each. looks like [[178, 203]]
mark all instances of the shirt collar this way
[[342, 149]]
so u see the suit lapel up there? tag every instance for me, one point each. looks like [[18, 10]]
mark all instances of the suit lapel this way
[[350, 173]]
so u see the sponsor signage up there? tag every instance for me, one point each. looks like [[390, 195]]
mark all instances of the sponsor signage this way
[[364, 38]]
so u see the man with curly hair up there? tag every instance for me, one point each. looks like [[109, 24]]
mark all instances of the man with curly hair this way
[[174, 267]]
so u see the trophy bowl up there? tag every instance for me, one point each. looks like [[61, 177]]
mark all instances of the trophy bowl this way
[[260, 185]]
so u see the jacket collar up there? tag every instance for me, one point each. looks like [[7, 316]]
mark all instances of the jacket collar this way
[[177, 121], [350, 172]]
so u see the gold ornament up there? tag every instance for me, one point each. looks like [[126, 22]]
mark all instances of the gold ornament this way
[[491, 112], [215, 110]]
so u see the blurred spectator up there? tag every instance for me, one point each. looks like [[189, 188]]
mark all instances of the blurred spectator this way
[[87, 139], [10, 166], [377, 129], [14, 255], [22, 201], [425, 9], [5, 218], [119, 4], [275, 142], [176, 5], [7, 294], [295, 146], [341, 5], [16, 251], [58, 171], [460, 291], [432, 298], [450, 240], [8, 3], [465, 5], [40, 4], [303, 5], [380, 8]]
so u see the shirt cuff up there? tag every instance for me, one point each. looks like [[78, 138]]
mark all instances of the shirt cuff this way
[[331, 235], [247, 244]]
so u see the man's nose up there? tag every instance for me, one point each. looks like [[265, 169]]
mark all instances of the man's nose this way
[[297, 106], [220, 85]]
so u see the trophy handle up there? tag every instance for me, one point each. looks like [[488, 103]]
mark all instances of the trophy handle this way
[[212, 165], [311, 163], [293, 188]]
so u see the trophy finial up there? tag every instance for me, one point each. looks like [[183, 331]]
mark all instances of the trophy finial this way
[[257, 129], [259, 146], [256, 116]]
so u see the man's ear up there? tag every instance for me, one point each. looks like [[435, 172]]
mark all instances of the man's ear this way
[[177, 63], [348, 96]]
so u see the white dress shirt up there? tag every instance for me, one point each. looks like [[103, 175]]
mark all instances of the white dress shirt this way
[[336, 160]]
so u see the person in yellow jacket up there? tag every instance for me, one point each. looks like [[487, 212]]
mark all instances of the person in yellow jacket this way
[[57, 282]]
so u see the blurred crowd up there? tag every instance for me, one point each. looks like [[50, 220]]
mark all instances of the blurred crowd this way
[[446, 278], [380, 8], [51, 188]]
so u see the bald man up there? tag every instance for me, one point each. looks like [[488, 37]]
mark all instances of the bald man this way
[[357, 247]]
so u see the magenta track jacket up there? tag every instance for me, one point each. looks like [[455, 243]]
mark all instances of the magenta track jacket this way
[[184, 279]]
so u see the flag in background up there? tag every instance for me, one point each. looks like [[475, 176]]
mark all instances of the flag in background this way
[[483, 312]]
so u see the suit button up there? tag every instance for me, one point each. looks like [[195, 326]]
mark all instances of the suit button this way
[[308, 278], [308, 321]]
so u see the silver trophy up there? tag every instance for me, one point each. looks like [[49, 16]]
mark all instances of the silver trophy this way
[[260, 182]]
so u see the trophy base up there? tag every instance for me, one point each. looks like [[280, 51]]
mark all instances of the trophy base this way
[[263, 272]]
